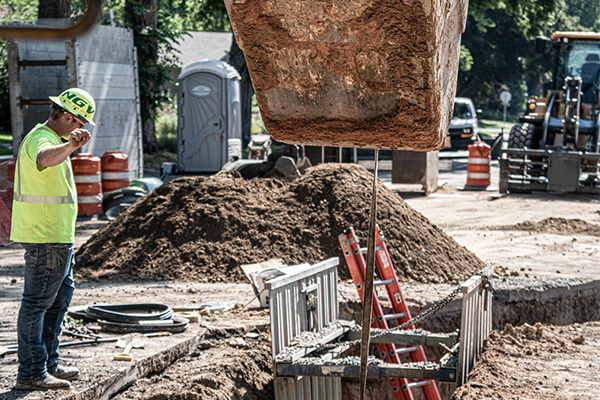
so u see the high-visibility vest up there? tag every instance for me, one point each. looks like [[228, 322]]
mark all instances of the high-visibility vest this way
[[45, 199]]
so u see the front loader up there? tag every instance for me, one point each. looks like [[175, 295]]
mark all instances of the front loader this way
[[555, 146]]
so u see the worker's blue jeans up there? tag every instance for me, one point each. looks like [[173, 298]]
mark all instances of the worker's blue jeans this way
[[46, 296]]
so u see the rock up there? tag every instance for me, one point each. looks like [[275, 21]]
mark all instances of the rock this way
[[204, 345], [579, 339], [353, 73]]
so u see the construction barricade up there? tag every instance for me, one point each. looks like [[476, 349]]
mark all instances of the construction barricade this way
[[88, 182], [7, 179], [115, 171], [478, 166]]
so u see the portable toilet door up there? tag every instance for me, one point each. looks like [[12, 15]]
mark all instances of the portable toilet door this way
[[209, 117]]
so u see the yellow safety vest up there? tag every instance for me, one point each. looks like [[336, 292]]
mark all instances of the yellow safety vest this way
[[45, 199]]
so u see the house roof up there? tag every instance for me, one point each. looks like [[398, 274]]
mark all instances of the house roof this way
[[199, 46]]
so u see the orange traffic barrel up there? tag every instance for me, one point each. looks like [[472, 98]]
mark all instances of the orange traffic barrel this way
[[7, 179], [478, 166], [7, 188], [115, 171], [88, 182]]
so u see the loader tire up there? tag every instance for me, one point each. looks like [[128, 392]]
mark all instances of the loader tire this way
[[524, 135]]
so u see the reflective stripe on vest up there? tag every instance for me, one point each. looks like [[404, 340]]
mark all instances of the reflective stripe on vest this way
[[70, 198]]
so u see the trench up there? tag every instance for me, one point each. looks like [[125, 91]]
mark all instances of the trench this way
[[240, 364]]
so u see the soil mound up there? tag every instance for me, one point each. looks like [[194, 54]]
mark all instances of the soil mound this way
[[203, 229], [561, 226], [516, 361]]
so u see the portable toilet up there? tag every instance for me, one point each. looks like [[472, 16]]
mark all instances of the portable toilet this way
[[209, 116]]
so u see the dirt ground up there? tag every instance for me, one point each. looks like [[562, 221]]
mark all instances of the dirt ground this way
[[537, 362], [233, 358]]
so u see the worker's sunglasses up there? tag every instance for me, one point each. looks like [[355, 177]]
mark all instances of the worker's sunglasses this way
[[75, 117]]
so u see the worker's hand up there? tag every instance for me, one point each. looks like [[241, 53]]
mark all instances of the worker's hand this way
[[78, 138]]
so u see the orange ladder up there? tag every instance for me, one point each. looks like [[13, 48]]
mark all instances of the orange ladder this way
[[387, 352]]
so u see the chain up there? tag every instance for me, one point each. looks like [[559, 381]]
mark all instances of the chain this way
[[485, 283], [424, 315]]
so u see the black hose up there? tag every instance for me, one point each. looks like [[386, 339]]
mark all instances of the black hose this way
[[130, 313]]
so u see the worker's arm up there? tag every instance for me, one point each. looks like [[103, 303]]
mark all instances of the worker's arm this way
[[54, 155]]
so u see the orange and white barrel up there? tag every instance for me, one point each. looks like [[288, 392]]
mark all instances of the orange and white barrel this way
[[478, 166], [88, 181], [115, 171], [8, 185]]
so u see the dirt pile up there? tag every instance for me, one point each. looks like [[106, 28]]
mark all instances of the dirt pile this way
[[561, 226], [203, 229]]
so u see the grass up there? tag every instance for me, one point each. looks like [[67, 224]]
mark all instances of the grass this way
[[490, 127], [154, 161], [5, 143]]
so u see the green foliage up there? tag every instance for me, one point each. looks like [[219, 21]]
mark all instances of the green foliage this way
[[201, 15], [5, 143], [529, 15], [167, 142], [465, 62], [258, 126], [499, 37], [156, 54], [166, 123], [498, 52], [166, 130]]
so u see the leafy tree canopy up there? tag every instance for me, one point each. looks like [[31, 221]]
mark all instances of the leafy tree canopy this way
[[499, 38]]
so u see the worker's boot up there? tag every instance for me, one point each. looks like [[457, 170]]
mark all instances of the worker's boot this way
[[48, 383], [68, 373]]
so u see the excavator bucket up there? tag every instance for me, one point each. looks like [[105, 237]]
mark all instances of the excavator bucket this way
[[353, 73]]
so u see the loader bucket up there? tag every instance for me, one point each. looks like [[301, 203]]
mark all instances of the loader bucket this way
[[353, 73]]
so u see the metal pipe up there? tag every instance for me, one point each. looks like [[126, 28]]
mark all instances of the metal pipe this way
[[547, 119], [406, 349], [579, 84], [92, 13], [418, 384], [394, 316], [597, 134], [382, 283]]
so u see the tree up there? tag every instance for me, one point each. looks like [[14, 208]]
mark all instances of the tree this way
[[24, 11], [153, 36], [142, 17], [238, 61], [56, 9], [497, 51], [211, 15]]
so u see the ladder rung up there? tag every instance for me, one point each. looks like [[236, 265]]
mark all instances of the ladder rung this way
[[395, 316], [403, 350], [381, 283], [419, 384], [364, 249]]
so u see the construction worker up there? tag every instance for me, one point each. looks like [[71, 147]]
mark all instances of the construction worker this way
[[43, 221]]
